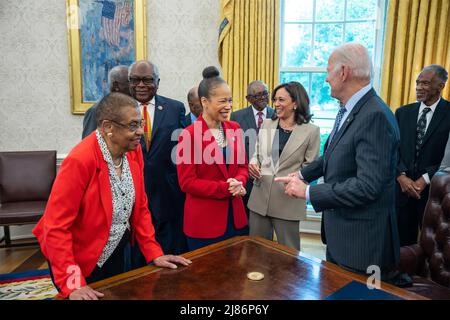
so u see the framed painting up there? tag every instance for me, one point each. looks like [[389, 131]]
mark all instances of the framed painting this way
[[101, 35]]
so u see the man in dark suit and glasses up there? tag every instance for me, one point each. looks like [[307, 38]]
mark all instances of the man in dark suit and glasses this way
[[194, 105], [162, 117], [357, 198], [118, 82], [250, 119], [424, 130]]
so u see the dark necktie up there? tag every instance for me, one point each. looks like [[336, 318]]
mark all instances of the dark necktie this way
[[421, 129], [337, 123], [260, 119]]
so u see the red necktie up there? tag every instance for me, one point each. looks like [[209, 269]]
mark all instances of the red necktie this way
[[147, 127], [260, 119]]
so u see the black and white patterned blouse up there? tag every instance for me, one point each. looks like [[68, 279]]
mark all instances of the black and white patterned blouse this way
[[123, 197]]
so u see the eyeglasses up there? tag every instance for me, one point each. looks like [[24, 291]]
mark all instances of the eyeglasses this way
[[147, 81], [259, 95], [134, 126]]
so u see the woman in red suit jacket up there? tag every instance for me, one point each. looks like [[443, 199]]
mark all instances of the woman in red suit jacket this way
[[212, 168], [84, 233]]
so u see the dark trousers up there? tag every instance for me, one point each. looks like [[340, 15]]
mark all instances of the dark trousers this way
[[119, 262], [389, 274], [409, 219], [231, 231], [170, 235]]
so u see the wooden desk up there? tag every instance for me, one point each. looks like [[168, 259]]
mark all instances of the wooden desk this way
[[219, 272]]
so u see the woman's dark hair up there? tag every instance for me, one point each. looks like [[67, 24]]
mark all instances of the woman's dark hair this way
[[298, 94], [111, 107], [211, 80]]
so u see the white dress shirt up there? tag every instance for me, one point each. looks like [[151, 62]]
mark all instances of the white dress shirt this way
[[255, 113], [150, 110], [429, 116]]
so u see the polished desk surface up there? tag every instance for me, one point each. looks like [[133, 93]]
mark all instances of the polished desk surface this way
[[219, 272]]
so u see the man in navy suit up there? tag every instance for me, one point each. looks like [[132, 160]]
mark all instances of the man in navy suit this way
[[250, 120], [357, 198], [194, 105], [424, 130], [163, 116]]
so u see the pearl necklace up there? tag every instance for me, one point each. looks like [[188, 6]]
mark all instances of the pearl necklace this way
[[119, 165], [220, 137]]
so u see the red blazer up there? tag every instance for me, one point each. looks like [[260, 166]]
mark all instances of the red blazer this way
[[75, 226], [202, 174]]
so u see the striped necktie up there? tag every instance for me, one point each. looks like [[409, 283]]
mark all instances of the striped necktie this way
[[260, 119], [337, 123], [421, 130], [147, 127]]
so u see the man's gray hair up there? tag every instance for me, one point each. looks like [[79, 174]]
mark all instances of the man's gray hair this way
[[253, 84], [438, 70], [192, 93], [357, 58], [116, 73], [150, 64]]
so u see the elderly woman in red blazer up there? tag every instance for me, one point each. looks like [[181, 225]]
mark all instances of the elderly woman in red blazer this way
[[98, 205], [212, 168]]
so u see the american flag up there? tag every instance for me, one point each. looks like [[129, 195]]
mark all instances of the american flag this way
[[114, 15]]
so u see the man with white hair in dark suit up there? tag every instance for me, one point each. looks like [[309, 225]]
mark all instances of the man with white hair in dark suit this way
[[357, 198]]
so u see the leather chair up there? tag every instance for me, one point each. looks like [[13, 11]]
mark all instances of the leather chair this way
[[26, 179], [428, 262]]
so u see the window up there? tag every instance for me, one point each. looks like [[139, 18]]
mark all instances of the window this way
[[310, 30]]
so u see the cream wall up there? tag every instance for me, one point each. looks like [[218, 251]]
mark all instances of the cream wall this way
[[34, 77]]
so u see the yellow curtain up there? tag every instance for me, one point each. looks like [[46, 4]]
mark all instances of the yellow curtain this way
[[249, 45], [417, 35]]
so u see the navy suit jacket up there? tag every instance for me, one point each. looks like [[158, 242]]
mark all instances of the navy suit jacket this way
[[89, 121], [188, 119], [357, 197], [165, 198]]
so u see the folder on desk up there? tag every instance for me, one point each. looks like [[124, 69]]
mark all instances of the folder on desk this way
[[359, 291]]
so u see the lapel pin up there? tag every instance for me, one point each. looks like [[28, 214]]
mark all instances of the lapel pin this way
[[160, 108]]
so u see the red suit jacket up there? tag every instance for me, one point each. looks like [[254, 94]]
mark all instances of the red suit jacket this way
[[203, 175], [75, 226]]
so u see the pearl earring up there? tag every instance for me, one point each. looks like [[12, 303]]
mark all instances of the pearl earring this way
[[109, 134]]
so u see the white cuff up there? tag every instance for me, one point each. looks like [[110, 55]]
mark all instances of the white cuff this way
[[426, 177]]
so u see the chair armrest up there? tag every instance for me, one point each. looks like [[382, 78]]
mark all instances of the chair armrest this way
[[412, 260]]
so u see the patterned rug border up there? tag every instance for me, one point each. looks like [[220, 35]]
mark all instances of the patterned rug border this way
[[24, 276]]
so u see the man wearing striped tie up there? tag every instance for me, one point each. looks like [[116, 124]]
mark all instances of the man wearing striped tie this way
[[162, 116], [424, 129]]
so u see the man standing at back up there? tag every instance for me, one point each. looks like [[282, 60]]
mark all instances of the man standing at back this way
[[357, 198], [161, 117], [118, 82], [424, 130], [250, 120], [194, 105]]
